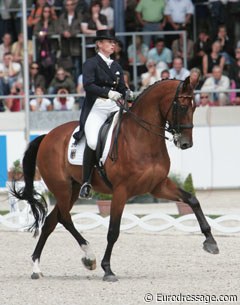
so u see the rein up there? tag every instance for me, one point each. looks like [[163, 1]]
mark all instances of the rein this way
[[171, 128], [143, 124]]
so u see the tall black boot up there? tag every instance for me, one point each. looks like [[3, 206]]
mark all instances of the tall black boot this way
[[89, 160]]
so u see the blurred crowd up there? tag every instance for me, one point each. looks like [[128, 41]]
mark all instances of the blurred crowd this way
[[56, 66]]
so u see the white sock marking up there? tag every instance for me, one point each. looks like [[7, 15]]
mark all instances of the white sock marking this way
[[88, 252], [36, 268]]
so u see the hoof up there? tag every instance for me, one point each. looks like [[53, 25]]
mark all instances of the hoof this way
[[89, 264], [110, 278], [36, 276], [210, 247]]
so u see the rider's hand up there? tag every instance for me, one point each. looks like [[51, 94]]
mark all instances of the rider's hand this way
[[114, 95], [130, 95]]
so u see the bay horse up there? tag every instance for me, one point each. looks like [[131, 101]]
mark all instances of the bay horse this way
[[142, 167]]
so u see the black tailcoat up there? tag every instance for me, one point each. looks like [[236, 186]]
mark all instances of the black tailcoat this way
[[98, 80]]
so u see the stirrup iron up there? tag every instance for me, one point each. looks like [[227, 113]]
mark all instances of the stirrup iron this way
[[85, 191]]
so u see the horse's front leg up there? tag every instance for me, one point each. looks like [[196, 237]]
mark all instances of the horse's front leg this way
[[117, 206], [169, 190]]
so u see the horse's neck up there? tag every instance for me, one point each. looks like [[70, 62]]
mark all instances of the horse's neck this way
[[146, 126], [149, 111]]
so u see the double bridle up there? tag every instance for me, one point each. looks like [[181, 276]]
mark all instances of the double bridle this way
[[177, 108], [175, 128]]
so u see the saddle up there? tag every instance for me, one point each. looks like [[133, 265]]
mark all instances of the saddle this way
[[102, 136], [76, 147]]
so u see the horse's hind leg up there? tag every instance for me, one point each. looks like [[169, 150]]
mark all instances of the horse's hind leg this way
[[48, 227], [169, 190], [64, 217]]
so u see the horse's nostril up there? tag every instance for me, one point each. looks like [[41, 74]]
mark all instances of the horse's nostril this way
[[186, 145]]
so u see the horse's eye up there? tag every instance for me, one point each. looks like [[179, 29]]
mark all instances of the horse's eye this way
[[183, 109]]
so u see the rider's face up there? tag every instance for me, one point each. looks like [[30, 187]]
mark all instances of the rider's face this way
[[106, 46]]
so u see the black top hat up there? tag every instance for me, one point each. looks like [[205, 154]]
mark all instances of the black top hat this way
[[105, 34]]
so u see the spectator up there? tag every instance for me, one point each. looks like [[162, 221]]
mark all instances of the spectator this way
[[127, 81], [108, 11], [36, 13], [217, 12], [178, 14], [177, 48], [233, 20], [69, 27], [141, 56], [81, 6], [120, 55], [63, 103], [165, 74], [58, 5], [46, 48], [160, 53], [195, 74], [151, 76], [217, 82], [6, 46], [205, 99], [201, 47], [17, 16], [212, 59], [35, 78], [10, 73], [40, 103], [162, 66], [5, 19], [91, 23], [81, 91], [61, 80], [227, 44], [178, 71], [150, 14], [235, 74], [131, 24], [17, 50], [15, 104]]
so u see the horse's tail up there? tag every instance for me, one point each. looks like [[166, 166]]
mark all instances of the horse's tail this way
[[37, 201]]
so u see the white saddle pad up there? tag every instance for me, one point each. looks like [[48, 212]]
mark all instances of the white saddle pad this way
[[75, 153]]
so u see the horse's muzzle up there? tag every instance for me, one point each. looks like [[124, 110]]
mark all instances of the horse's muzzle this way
[[182, 142], [186, 145]]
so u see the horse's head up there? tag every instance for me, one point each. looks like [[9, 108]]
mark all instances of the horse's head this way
[[180, 113]]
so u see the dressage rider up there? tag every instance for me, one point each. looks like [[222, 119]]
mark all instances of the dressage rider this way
[[104, 85]]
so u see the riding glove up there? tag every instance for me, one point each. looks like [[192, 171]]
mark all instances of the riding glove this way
[[114, 95], [130, 95]]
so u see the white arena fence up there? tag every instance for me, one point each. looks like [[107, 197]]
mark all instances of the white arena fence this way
[[20, 218], [155, 222]]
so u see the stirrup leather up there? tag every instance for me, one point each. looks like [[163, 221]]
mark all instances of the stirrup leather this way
[[85, 191]]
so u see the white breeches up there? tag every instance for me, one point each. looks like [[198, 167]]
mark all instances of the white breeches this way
[[100, 111]]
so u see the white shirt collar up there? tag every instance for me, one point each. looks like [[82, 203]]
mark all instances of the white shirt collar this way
[[107, 60]]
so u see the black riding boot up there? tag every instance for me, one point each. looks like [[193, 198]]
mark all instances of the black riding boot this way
[[89, 159]]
